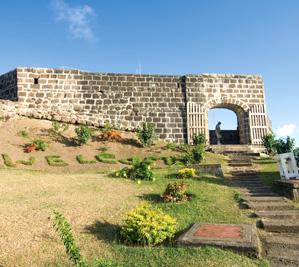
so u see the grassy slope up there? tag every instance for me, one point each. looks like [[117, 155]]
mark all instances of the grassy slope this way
[[206, 207], [268, 170], [94, 205]]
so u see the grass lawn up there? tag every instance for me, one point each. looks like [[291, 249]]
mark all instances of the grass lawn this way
[[94, 204], [268, 168]]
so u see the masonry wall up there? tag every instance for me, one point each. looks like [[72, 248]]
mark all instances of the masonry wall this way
[[123, 100], [126, 100], [8, 85]]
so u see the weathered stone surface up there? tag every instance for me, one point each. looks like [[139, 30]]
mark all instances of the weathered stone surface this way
[[242, 237], [125, 100]]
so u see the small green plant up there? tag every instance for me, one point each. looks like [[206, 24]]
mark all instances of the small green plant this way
[[8, 161], [269, 143], [40, 144], [176, 192], [237, 197], [186, 173], [168, 161], [56, 161], [23, 133], [146, 134], [84, 134], [140, 170], [130, 161], [186, 159], [64, 230], [28, 162], [107, 127], [106, 158], [199, 139], [103, 149], [198, 152], [82, 160], [147, 226], [59, 127]]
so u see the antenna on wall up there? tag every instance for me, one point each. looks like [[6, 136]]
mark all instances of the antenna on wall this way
[[138, 70]]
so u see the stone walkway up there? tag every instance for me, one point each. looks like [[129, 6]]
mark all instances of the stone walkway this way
[[278, 220]]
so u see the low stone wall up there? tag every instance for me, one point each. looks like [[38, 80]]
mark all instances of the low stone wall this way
[[289, 188], [214, 169]]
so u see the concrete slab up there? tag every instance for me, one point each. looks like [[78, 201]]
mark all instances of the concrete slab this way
[[238, 237]]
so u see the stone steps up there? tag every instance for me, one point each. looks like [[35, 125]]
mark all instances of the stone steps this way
[[263, 199], [280, 257], [282, 205], [281, 240], [259, 194], [278, 214], [280, 226], [240, 164]]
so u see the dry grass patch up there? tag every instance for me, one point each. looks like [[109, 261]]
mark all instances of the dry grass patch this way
[[87, 200]]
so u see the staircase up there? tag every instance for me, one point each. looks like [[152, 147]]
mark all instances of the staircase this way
[[237, 149], [278, 220]]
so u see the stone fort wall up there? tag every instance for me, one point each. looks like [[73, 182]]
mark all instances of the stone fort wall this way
[[124, 100]]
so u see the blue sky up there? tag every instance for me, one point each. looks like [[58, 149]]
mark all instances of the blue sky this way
[[163, 37]]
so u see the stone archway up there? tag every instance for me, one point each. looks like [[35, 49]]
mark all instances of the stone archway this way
[[198, 117]]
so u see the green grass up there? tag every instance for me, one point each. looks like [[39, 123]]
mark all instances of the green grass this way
[[206, 206], [268, 168]]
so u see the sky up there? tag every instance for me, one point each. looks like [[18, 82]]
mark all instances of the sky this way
[[163, 37]]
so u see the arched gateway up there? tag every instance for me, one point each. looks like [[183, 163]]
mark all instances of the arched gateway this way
[[177, 105]]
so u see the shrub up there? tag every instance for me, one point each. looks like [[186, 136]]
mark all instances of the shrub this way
[[198, 152], [23, 133], [40, 144], [184, 148], [141, 170], [80, 158], [146, 134], [55, 160], [59, 127], [269, 143], [83, 134], [106, 158], [29, 162], [147, 226], [8, 161], [285, 145], [175, 192], [186, 173], [112, 136], [64, 230], [168, 161], [199, 139], [29, 148], [186, 159], [130, 161]]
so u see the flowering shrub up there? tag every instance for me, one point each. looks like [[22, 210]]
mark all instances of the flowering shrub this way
[[111, 136], [186, 173], [175, 192], [141, 170], [29, 148], [147, 226]]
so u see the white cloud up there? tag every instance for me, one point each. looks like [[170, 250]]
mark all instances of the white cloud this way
[[77, 18], [286, 130]]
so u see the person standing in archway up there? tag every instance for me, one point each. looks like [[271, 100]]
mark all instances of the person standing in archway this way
[[218, 133]]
